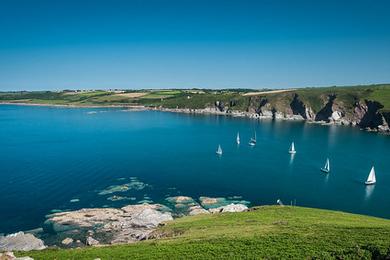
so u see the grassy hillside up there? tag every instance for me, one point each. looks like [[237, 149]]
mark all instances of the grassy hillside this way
[[267, 232], [197, 98]]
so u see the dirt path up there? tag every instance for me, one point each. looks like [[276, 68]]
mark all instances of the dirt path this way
[[268, 92]]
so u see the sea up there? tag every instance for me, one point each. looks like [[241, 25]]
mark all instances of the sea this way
[[56, 159]]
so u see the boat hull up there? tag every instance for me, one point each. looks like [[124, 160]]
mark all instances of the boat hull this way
[[370, 182], [324, 170], [292, 152]]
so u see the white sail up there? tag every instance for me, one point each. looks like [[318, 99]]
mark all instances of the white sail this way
[[371, 177], [219, 150], [252, 142], [238, 138], [326, 167], [292, 148]]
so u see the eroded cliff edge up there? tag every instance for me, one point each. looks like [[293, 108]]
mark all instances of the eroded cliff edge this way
[[329, 108]]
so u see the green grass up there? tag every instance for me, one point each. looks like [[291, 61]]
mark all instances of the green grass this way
[[162, 94], [198, 99], [382, 95], [268, 232]]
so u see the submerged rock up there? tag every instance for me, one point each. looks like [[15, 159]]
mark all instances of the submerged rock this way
[[207, 201], [109, 225], [229, 208], [145, 202], [180, 199], [119, 198], [134, 184], [20, 242], [184, 205]]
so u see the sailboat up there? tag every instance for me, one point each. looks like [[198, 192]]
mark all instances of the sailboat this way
[[292, 148], [219, 150], [238, 138], [252, 142], [371, 177], [326, 168]]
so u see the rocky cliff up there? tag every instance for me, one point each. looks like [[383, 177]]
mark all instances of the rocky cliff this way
[[364, 113]]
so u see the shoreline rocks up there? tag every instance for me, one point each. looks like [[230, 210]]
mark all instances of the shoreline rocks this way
[[91, 241], [229, 208], [364, 115], [104, 226], [20, 242], [67, 241], [108, 225], [11, 256]]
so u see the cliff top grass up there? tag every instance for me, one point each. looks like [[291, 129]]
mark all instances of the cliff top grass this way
[[202, 98], [265, 232]]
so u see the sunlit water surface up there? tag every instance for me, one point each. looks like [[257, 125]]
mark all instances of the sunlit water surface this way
[[61, 158]]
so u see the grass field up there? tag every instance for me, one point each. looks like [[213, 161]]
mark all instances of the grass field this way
[[197, 99], [267, 232]]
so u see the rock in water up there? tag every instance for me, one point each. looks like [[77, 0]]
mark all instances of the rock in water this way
[[180, 199], [20, 242], [229, 208]]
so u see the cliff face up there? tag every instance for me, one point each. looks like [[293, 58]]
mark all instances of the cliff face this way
[[372, 118], [365, 114], [325, 114], [299, 108]]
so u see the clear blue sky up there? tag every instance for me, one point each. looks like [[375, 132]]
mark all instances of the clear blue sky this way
[[192, 43]]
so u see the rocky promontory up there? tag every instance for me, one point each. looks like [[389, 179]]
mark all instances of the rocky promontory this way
[[106, 225], [103, 226], [339, 106]]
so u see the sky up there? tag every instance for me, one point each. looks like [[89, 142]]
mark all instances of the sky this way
[[133, 44]]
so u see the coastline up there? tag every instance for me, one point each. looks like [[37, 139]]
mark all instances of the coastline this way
[[209, 111], [72, 106]]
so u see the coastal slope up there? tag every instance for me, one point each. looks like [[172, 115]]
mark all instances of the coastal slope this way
[[262, 232], [367, 106]]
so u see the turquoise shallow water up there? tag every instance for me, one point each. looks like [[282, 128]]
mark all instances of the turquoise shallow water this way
[[50, 156]]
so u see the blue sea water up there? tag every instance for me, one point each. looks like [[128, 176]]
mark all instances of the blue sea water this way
[[50, 156]]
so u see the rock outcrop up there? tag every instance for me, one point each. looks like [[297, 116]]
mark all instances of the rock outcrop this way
[[67, 241], [229, 208], [220, 106], [11, 256], [299, 108], [108, 225], [20, 242], [196, 210], [91, 241], [326, 112], [372, 118]]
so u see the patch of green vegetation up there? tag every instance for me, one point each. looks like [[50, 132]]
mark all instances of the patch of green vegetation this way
[[281, 101], [382, 95], [162, 94], [234, 101], [315, 98], [266, 232]]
